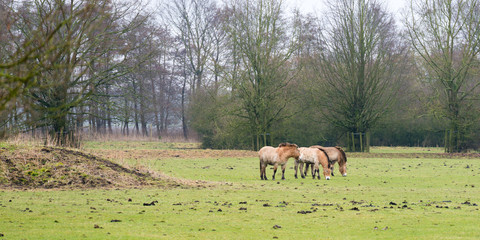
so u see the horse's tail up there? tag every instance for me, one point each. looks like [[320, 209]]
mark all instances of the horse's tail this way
[[344, 156]]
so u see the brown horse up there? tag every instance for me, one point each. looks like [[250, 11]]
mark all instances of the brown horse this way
[[315, 157], [276, 156], [335, 154]]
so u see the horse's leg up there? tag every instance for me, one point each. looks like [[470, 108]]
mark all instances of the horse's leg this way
[[296, 168], [306, 170], [274, 170], [313, 174], [332, 166], [263, 167], [301, 169], [261, 170], [284, 166]]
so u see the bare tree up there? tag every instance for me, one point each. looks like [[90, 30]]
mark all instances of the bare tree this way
[[70, 78], [219, 48], [21, 44], [445, 35], [193, 21], [258, 33], [359, 67]]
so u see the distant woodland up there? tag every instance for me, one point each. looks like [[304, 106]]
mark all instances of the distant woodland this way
[[242, 74]]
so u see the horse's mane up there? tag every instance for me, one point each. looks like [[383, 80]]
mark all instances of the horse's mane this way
[[326, 154], [343, 152], [287, 145], [328, 158]]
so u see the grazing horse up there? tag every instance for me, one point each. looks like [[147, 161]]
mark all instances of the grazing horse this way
[[276, 156], [335, 154], [313, 156]]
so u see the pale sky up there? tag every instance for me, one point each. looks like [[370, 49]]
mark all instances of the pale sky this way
[[317, 6]]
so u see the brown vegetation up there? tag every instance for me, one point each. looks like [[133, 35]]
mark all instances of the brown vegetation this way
[[173, 153], [48, 167]]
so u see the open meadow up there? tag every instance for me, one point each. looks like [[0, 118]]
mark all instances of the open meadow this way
[[391, 193]]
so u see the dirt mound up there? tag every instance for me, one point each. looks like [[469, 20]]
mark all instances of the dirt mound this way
[[47, 167]]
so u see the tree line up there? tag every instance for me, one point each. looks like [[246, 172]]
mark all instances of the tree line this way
[[243, 73]]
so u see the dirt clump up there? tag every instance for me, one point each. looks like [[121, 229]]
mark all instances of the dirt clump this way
[[50, 167]]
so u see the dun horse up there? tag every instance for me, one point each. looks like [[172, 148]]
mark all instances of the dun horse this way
[[335, 154], [315, 157], [276, 156]]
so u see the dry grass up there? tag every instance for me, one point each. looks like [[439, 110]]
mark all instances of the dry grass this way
[[37, 139], [48, 167], [171, 153], [118, 136]]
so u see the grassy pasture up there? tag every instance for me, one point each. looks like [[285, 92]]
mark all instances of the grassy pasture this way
[[382, 198], [407, 150]]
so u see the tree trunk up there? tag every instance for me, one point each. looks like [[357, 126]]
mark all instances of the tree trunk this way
[[358, 141], [109, 110], [184, 122], [135, 106], [125, 118], [143, 111], [155, 106]]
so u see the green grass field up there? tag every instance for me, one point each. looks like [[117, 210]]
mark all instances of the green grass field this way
[[382, 198]]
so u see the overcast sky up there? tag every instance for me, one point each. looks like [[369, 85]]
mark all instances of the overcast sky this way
[[317, 6]]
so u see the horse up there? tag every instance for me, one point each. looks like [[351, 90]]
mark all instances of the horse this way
[[276, 156], [313, 156], [335, 154]]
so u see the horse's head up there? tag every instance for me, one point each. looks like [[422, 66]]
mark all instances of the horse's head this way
[[290, 149]]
